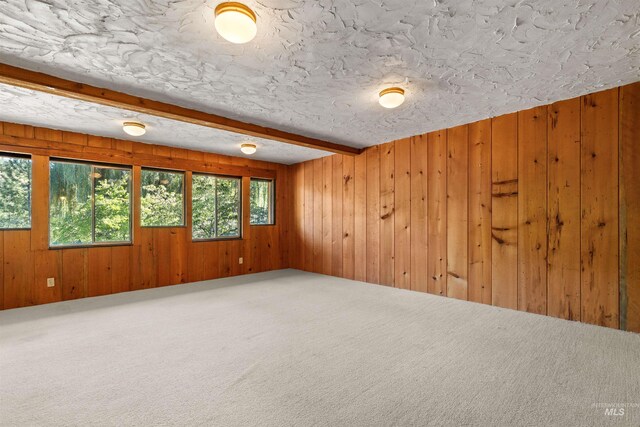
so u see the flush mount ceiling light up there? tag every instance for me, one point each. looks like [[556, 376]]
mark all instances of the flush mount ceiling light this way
[[248, 148], [235, 22], [391, 97], [134, 128]]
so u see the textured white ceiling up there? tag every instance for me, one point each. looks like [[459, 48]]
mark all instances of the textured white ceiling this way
[[43, 109], [316, 66]]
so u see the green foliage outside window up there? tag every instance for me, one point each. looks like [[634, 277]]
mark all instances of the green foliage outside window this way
[[215, 207], [88, 204], [15, 192], [261, 203], [162, 199]]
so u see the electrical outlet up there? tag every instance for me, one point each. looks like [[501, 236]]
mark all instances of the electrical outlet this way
[[240, 260], [51, 282]]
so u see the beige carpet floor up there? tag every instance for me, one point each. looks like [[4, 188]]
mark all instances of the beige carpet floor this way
[[291, 348]]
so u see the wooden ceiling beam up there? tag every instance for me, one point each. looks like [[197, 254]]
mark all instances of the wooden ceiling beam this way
[[41, 82]]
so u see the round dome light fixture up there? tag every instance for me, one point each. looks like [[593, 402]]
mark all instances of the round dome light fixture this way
[[248, 148], [235, 22], [391, 97], [134, 128]]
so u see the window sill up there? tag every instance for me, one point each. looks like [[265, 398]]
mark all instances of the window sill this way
[[94, 245], [219, 239], [163, 226]]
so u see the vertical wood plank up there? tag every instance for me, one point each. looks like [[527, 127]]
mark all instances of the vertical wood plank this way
[[629, 208], [18, 269], [480, 211], [213, 260], [74, 273], [98, 271], [599, 206], [504, 207], [532, 210], [308, 217], [327, 213], [298, 208], [563, 266], [318, 182], [162, 252], [402, 214], [387, 196], [419, 220], [121, 272], [336, 233], [348, 221], [144, 261], [360, 218], [437, 212], [457, 211], [373, 214]]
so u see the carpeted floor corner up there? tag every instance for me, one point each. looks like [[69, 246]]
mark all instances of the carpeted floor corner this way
[[293, 348]]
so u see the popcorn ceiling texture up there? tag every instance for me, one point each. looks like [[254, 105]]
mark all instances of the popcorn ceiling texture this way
[[316, 66], [42, 109]]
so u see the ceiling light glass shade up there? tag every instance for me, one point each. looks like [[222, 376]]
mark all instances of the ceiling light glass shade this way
[[235, 22], [248, 148], [391, 97], [134, 128]]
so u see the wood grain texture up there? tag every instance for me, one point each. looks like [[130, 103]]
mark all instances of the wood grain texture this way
[[336, 232], [419, 221], [630, 208], [307, 240], [373, 214], [532, 210], [348, 217], [360, 218], [599, 207], [297, 251], [457, 211], [437, 213], [318, 182], [480, 212], [18, 269], [74, 273], [504, 211], [327, 214], [563, 270], [387, 211], [402, 214]]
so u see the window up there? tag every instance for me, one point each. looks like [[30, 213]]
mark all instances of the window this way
[[89, 204], [15, 192], [262, 201], [162, 198], [215, 207]]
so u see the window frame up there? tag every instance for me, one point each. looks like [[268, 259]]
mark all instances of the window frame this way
[[30, 158], [240, 210], [184, 197], [272, 204], [93, 244]]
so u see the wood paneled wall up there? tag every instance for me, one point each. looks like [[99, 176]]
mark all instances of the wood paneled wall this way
[[158, 256], [537, 211]]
